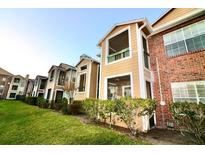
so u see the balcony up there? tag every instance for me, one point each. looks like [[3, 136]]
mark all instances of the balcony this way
[[119, 55], [118, 47]]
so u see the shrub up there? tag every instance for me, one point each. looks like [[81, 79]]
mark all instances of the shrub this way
[[127, 109], [20, 97], [75, 108], [190, 117], [31, 100], [91, 107], [64, 106], [42, 103]]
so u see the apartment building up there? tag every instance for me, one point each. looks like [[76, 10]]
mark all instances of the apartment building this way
[[39, 88], [61, 81], [177, 51], [125, 65], [17, 86], [29, 88], [5, 81], [87, 78]]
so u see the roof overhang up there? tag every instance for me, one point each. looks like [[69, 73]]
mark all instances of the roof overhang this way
[[125, 23], [178, 20]]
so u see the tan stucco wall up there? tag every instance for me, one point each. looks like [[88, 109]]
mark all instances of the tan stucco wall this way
[[122, 67], [172, 15]]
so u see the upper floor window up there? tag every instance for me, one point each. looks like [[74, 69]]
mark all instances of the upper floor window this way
[[3, 79], [82, 83], [52, 75], [14, 87], [61, 79], [83, 67], [188, 39], [188, 91], [118, 47], [146, 54], [43, 83], [16, 80]]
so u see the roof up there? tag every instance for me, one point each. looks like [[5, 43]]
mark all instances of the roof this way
[[42, 77], [84, 56], [162, 16], [124, 23], [4, 72], [63, 66], [19, 76]]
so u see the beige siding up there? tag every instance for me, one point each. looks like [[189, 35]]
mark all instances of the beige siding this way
[[93, 81], [122, 67], [172, 15]]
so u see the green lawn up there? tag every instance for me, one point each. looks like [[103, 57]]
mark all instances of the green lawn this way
[[25, 124]]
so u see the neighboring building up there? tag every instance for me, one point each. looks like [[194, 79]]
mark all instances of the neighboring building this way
[[125, 64], [29, 88], [87, 78], [39, 88], [17, 87], [177, 51], [5, 80], [61, 80]]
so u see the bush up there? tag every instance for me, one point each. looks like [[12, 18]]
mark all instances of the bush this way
[[190, 117], [42, 103], [64, 106], [127, 109], [75, 108], [21, 97], [31, 100]]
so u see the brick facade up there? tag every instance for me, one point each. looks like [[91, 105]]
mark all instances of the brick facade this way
[[187, 67]]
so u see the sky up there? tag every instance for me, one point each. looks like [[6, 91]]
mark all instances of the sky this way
[[32, 40]]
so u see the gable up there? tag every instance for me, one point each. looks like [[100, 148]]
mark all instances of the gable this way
[[171, 15]]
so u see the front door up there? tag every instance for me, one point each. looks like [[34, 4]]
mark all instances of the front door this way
[[59, 95]]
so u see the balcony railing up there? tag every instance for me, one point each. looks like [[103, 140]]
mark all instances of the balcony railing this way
[[119, 55]]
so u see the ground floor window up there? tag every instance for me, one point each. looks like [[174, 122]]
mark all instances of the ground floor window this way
[[48, 94], [82, 83], [188, 91], [12, 95], [40, 94], [118, 87]]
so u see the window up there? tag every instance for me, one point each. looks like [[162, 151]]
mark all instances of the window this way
[[3, 79], [188, 39], [82, 82], [12, 95], [16, 80], [189, 91], [83, 68], [43, 83], [52, 75], [118, 47], [146, 54], [48, 94], [61, 79], [14, 87], [148, 89]]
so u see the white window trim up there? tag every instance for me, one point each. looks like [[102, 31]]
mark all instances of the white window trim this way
[[119, 75], [183, 34], [191, 82], [123, 89], [78, 83], [129, 48], [143, 35]]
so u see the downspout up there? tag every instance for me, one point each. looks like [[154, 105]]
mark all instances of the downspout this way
[[162, 102]]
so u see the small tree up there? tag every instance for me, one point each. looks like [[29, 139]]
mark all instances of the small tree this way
[[190, 117], [69, 87]]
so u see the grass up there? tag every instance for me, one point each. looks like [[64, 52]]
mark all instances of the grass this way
[[21, 123]]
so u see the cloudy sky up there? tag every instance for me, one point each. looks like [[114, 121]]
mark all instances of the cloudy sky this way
[[31, 40]]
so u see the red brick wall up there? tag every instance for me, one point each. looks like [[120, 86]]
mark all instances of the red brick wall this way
[[187, 67]]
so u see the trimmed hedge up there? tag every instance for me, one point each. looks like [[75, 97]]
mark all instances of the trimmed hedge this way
[[31, 100]]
